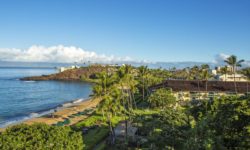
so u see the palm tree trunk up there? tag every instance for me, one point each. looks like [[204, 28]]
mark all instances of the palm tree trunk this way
[[247, 88], [126, 129], [111, 130], [130, 99], [103, 114], [235, 86], [143, 89], [206, 89], [198, 89], [133, 97], [206, 85]]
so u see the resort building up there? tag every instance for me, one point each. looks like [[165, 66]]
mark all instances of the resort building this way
[[62, 69], [232, 77], [213, 72], [193, 90], [229, 68]]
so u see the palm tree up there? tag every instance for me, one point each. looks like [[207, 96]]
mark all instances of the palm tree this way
[[205, 73], [205, 66], [127, 85], [110, 106], [196, 75], [116, 91], [110, 103], [205, 76], [246, 72], [234, 63], [143, 71], [224, 70], [121, 78]]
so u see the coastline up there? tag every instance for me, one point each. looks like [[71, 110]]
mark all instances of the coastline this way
[[62, 112]]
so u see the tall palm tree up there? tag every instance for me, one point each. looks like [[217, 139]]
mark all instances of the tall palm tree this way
[[205, 67], [234, 63], [246, 72], [205, 76], [116, 91], [205, 73], [224, 70], [143, 71], [110, 106], [127, 85], [196, 75], [130, 84]]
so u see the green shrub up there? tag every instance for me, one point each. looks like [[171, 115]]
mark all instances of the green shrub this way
[[40, 136], [162, 98], [95, 136], [90, 121]]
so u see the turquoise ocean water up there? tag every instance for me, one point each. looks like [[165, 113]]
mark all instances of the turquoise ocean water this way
[[21, 100]]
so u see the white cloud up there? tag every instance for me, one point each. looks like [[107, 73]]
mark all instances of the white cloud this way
[[219, 58], [58, 53]]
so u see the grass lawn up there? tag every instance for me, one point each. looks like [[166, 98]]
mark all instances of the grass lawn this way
[[95, 136], [99, 131]]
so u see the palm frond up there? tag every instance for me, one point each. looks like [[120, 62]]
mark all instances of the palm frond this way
[[238, 64]]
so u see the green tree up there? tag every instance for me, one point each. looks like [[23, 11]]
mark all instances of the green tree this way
[[224, 71], [162, 98], [205, 75], [246, 72], [40, 136], [110, 107], [234, 63], [196, 73], [116, 90], [143, 74], [224, 126]]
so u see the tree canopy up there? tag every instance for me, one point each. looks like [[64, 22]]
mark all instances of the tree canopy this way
[[40, 136]]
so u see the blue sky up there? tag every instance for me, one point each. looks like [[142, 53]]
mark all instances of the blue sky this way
[[154, 30]]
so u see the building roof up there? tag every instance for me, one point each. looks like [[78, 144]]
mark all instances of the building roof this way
[[216, 86]]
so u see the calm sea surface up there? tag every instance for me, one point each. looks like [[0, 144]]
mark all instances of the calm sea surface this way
[[20, 100]]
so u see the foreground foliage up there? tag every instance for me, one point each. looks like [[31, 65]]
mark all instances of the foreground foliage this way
[[162, 98], [223, 123], [40, 136], [96, 129]]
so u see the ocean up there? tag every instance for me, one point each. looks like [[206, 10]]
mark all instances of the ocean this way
[[21, 100]]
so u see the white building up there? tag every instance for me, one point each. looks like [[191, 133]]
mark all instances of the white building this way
[[62, 69], [213, 72], [230, 77], [229, 68]]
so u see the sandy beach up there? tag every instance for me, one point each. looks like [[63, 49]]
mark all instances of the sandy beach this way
[[64, 113]]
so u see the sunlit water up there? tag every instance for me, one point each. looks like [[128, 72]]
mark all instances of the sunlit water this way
[[20, 100]]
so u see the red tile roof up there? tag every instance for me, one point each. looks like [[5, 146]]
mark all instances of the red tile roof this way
[[216, 86]]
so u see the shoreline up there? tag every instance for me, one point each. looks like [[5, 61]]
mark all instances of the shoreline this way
[[61, 112]]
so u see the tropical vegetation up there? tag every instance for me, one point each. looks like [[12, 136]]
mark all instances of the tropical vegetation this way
[[40, 136], [161, 120]]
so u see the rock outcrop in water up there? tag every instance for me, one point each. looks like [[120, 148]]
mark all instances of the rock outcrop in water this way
[[81, 74]]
